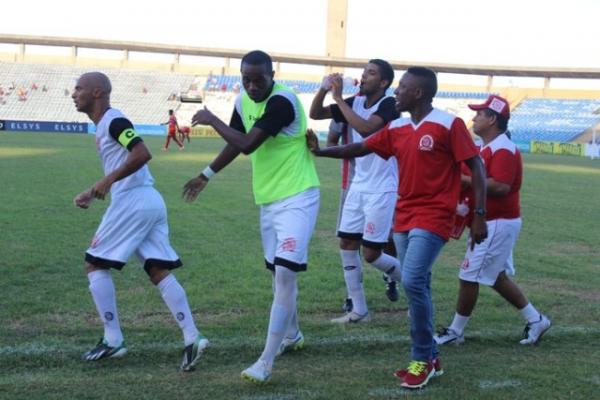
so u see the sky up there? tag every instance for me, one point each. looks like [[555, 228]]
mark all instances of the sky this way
[[547, 33]]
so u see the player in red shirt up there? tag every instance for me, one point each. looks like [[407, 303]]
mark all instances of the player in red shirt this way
[[173, 129], [429, 147], [184, 133], [490, 262]]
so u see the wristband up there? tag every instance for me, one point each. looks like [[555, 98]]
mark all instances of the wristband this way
[[208, 172]]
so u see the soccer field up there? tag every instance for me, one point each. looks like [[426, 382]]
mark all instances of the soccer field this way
[[48, 319]]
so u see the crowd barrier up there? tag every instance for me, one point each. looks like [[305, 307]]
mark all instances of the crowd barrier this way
[[44, 126], [203, 131], [151, 130], [575, 149], [536, 146]]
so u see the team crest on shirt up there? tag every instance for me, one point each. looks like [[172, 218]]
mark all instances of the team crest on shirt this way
[[426, 143], [95, 241], [465, 264], [289, 244], [370, 228]]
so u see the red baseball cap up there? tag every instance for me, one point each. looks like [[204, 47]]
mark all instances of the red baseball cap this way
[[494, 103]]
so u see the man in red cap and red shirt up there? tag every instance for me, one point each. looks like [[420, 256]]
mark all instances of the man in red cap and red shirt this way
[[490, 262]]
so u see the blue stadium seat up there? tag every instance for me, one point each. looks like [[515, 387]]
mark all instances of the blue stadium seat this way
[[560, 120]]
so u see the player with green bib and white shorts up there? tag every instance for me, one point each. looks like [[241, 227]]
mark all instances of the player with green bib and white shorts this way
[[269, 124]]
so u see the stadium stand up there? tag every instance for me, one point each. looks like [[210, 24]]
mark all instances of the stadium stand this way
[[457, 102], [42, 92], [560, 120], [143, 95], [227, 83]]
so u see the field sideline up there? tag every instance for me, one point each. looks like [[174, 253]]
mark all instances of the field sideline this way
[[49, 320]]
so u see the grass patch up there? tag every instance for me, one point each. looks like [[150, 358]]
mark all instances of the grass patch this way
[[49, 320]]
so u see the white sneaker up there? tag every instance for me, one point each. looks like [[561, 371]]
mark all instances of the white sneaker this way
[[259, 372], [448, 335], [291, 344], [534, 330], [352, 318]]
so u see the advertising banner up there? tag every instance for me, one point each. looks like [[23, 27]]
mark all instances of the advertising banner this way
[[155, 130], [46, 126]]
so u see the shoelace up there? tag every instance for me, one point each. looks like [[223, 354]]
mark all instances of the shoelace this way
[[416, 367]]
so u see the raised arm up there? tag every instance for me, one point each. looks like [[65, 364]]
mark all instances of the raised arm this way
[[245, 143], [364, 127], [317, 110]]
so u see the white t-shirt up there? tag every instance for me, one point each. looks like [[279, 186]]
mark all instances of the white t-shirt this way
[[371, 173], [113, 133]]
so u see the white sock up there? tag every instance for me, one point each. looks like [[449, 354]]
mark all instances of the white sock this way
[[175, 298], [282, 310], [389, 265], [103, 293], [529, 313], [459, 323], [354, 280], [293, 327]]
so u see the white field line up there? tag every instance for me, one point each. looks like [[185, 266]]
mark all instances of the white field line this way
[[32, 348]]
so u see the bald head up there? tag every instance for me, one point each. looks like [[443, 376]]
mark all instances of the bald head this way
[[96, 80], [92, 94]]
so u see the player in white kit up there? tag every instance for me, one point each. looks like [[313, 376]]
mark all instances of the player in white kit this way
[[134, 223], [368, 207]]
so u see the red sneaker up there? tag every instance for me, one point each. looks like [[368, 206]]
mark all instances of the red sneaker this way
[[437, 365], [418, 374]]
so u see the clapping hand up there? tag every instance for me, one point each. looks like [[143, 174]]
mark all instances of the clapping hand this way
[[312, 141], [203, 117]]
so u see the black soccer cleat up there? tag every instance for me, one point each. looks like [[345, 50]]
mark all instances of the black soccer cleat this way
[[391, 288], [103, 350]]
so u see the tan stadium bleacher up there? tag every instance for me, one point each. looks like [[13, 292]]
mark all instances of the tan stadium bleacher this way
[[145, 96]]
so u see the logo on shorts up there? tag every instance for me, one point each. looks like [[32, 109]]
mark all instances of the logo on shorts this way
[[465, 264], [426, 143], [180, 316], [289, 244], [370, 228], [95, 241], [109, 316]]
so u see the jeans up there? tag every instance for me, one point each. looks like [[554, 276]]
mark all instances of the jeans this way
[[417, 250]]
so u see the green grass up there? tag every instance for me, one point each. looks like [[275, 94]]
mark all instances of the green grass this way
[[48, 319]]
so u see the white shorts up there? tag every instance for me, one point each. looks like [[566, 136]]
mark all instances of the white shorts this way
[[135, 222], [286, 228], [367, 216], [494, 255]]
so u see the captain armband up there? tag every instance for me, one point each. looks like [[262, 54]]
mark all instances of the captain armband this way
[[128, 136]]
